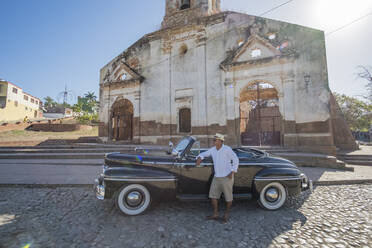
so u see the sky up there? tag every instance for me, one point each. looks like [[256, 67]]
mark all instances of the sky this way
[[46, 45]]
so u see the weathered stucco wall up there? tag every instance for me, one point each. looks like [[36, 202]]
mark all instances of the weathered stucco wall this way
[[205, 65]]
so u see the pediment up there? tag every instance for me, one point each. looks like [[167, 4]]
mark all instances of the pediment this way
[[255, 48], [123, 72]]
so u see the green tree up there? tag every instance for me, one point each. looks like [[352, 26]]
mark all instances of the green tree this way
[[49, 103], [87, 108], [358, 113], [365, 72], [90, 97], [78, 107]]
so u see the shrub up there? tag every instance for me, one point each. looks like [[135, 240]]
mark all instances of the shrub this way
[[87, 118]]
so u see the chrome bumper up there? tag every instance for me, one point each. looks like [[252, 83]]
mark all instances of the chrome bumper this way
[[99, 188], [306, 183]]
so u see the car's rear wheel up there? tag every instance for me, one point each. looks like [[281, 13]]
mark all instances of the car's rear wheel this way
[[133, 199], [272, 196]]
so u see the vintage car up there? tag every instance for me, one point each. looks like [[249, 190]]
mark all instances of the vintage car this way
[[136, 180]]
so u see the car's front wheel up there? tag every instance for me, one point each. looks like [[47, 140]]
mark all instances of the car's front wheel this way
[[272, 196], [133, 199]]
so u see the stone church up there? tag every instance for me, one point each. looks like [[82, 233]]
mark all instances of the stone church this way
[[259, 81]]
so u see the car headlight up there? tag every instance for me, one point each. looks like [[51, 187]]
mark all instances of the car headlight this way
[[304, 180]]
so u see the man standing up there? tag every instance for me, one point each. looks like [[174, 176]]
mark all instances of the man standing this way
[[225, 164]]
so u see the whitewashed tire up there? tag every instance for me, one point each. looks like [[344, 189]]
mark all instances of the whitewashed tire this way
[[272, 203], [133, 199]]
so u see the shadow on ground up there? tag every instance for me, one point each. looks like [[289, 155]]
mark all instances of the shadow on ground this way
[[72, 217]]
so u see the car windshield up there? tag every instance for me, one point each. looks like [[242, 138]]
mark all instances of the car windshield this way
[[181, 146], [195, 150]]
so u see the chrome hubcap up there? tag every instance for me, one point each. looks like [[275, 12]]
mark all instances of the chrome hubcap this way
[[134, 198], [272, 195]]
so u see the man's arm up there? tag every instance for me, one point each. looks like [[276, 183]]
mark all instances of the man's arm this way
[[235, 163], [203, 155]]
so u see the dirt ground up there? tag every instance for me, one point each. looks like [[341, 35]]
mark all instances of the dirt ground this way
[[31, 138]]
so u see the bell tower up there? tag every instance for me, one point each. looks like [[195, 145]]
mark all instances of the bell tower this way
[[179, 12]]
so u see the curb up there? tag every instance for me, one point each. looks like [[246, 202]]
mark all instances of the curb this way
[[342, 182], [62, 164], [54, 186], [51, 186]]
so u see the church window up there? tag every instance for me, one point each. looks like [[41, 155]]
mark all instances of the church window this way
[[256, 53], [185, 120], [123, 76], [185, 4]]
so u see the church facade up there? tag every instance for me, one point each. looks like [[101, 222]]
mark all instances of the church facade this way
[[256, 80]]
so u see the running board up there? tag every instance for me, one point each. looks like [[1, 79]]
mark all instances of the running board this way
[[190, 197]]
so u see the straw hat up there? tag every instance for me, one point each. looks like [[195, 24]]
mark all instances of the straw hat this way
[[219, 136]]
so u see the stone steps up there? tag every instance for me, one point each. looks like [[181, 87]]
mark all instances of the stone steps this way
[[314, 160], [93, 151], [39, 156], [86, 162], [64, 150], [356, 159]]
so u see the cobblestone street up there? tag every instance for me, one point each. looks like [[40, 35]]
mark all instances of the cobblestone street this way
[[333, 216]]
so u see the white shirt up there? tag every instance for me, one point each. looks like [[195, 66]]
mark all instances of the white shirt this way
[[224, 160]]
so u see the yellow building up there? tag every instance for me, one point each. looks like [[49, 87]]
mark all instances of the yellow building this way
[[15, 104]]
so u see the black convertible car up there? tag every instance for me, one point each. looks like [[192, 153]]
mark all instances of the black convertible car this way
[[136, 180]]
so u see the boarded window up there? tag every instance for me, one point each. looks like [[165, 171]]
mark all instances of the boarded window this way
[[185, 120]]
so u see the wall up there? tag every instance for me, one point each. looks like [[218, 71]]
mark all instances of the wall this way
[[173, 80], [343, 137], [11, 112], [58, 127]]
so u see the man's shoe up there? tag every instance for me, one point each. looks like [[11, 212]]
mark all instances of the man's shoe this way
[[225, 219], [212, 217]]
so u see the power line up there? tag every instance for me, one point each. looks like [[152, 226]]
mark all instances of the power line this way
[[277, 7], [243, 23], [348, 24], [217, 36]]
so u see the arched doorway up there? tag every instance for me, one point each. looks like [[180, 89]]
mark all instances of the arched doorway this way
[[122, 120], [260, 118]]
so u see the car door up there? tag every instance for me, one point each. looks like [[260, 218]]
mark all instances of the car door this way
[[195, 180], [249, 164]]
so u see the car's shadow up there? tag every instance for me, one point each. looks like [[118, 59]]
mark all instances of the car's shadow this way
[[249, 225]]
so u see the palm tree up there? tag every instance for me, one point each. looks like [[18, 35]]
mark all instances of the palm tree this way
[[49, 103], [90, 97]]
